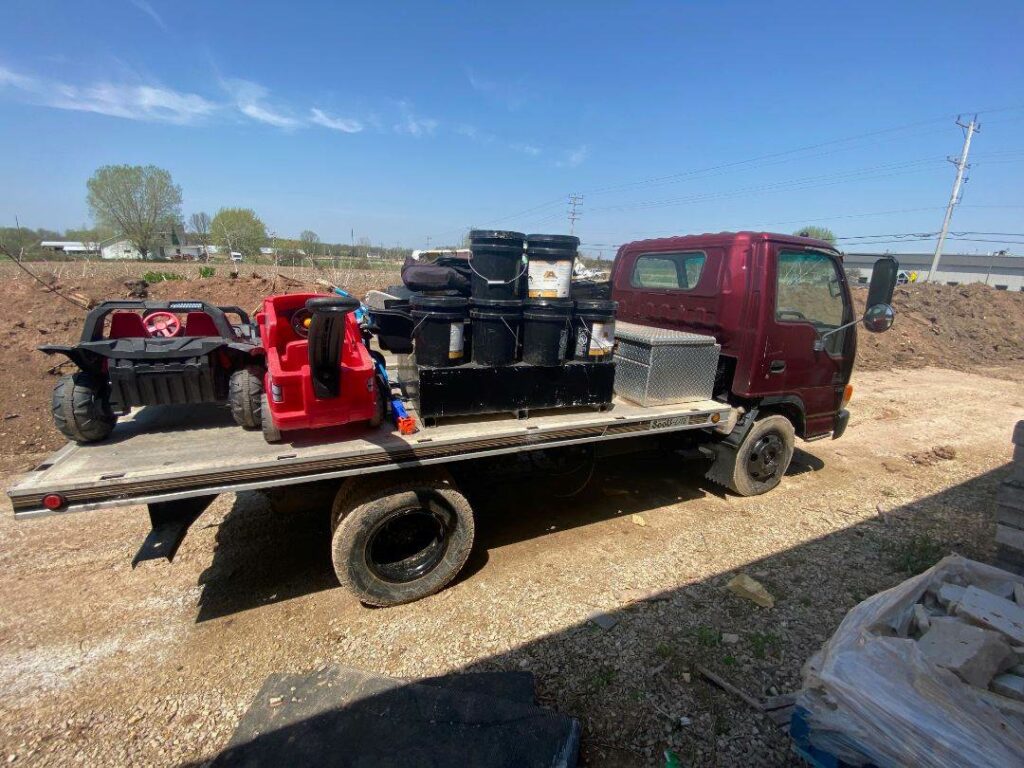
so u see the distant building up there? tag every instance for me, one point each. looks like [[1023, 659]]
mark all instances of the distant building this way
[[69, 246], [123, 249], [1000, 270]]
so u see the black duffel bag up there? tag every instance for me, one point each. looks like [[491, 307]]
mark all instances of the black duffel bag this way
[[447, 273]]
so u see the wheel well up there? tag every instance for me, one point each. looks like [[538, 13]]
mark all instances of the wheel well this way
[[792, 411]]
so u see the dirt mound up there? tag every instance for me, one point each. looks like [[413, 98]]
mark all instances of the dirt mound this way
[[961, 327]]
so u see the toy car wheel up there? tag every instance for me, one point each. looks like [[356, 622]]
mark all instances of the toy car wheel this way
[[270, 431], [245, 397], [397, 544], [81, 408]]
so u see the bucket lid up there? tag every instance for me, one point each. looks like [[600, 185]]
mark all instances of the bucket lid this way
[[495, 234], [449, 303], [554, 241], [558, 305], [596, 305], [558, 254], [497, 304], [504, 248]]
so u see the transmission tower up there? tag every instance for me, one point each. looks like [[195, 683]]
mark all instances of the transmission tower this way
[[575, 201], [961, 165]]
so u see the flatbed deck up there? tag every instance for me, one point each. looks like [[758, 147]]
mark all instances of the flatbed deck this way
[[158, 455]]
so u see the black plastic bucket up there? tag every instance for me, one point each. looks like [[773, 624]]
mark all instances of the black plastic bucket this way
[[495, 330], [549, 265], [594, 326], [496, 263], [547, 326], [437, 332]]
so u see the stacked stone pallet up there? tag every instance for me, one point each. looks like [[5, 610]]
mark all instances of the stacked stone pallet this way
[[1010, 512]]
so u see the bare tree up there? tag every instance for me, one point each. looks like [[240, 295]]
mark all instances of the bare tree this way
[[200, 224], [310, 240]]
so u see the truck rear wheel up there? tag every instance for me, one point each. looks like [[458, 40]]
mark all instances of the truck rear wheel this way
[[761, 460], [81, 408], [396, 542]]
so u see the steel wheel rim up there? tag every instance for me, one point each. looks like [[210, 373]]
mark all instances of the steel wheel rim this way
[[764, 459], [407, 544]]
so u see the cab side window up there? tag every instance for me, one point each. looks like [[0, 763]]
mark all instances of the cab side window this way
[[809, 290], [668, 271]]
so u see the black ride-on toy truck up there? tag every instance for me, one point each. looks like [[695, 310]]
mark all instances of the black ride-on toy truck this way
[[134, 353]]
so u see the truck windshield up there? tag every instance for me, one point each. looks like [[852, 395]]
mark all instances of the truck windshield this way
[[809, 291]]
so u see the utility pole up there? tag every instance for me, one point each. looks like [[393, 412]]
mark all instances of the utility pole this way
[[961, 165], [574, 202]]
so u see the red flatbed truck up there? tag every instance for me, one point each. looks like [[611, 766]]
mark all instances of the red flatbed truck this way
[[779, 306]]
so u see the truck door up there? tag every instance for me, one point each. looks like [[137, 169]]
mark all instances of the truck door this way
[[810, 297]]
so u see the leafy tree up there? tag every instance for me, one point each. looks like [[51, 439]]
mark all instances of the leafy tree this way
[[310, 240], [818, 233], [199, 223], [238, 229], [140, 201]]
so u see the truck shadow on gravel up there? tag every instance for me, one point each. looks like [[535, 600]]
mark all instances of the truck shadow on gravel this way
[[634, 686], [275, 547]]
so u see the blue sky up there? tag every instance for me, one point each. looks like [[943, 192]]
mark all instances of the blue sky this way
[[408, 121]]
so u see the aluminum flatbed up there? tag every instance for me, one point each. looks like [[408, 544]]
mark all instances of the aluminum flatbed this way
[[157, 457]]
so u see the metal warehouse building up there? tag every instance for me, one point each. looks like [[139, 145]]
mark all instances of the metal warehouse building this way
[[1002, 272]]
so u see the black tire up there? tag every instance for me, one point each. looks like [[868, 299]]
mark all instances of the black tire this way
[[81, 408], [760, 462], [270, 431], [396, 542], [245, 397]]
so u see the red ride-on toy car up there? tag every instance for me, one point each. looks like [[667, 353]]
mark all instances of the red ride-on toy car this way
[[134, 353], [319, 370]]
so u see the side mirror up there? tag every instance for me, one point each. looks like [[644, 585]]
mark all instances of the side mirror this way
[[879, 318], [883, 282]]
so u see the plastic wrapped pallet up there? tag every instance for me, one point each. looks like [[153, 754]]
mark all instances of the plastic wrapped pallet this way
[[872, 696]]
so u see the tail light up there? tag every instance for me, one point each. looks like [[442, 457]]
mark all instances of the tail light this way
[[54, 501]]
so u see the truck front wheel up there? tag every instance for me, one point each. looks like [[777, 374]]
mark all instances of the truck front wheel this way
[[760, 461], [399, 542]]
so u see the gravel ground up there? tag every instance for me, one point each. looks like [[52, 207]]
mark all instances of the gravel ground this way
[[102, 665]]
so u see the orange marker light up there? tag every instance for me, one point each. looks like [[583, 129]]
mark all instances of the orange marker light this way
[[847, 395]]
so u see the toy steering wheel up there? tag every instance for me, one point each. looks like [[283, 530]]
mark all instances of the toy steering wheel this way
[[301, 319], [162, 325]]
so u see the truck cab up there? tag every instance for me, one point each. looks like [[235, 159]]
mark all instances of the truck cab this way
[[779, 306]]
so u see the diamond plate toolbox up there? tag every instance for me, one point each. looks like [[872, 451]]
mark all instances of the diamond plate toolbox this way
[[655, 366]]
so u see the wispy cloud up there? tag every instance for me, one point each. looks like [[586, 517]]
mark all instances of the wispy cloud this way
[[574, 157], [250, 99], [510, 95], [483, 137], [150, 11], [144, 102], [414, 125], [343, 124]]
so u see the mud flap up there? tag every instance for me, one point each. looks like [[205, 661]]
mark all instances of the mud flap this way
[[171, 521]]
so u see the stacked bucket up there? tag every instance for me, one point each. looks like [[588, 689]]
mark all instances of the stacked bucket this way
[[520, 308]]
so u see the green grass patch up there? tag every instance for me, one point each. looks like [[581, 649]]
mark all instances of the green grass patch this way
[[707, 637], [205, 272], [159, 277], [761, 643], [916, 554]]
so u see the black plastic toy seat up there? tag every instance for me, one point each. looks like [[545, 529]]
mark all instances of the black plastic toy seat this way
[[326, 333]]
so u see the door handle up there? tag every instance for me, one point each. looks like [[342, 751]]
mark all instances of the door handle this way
[[777, 366]]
